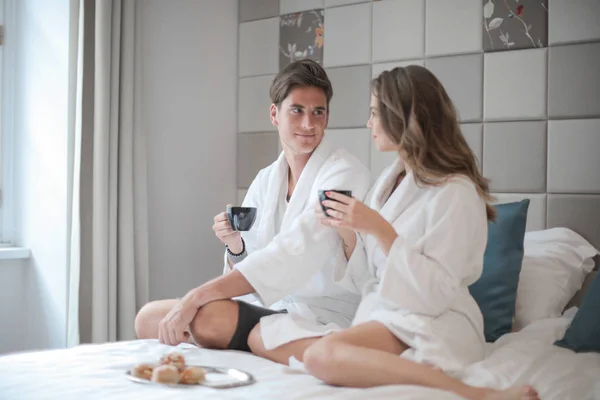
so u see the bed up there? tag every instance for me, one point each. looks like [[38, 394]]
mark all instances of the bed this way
[[98, 372], [557, 267]]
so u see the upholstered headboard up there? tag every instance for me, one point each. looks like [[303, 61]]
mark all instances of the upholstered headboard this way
[[525, 82]]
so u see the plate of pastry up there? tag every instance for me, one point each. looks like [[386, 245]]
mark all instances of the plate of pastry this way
[[172, 370]]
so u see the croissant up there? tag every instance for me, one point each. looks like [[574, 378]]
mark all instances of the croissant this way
[[165, 374], [175, 359], [192, 376], [143, 371]]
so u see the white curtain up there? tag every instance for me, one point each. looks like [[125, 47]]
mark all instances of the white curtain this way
[[109, 246]]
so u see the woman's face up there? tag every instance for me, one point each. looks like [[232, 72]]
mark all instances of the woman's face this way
[[380, 137]]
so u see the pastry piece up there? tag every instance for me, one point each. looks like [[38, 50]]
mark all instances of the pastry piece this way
[[143, 371], [192, 376], [165, 374], [175, 359]]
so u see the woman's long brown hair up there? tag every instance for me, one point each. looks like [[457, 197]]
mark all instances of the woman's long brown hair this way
[[418, 115]]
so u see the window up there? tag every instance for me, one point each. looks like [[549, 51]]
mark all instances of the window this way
[[1, 115], [6, 155]]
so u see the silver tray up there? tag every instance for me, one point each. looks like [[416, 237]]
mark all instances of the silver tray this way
[[216, 377]]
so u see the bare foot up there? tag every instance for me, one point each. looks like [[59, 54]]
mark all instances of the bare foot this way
[[515, 393]]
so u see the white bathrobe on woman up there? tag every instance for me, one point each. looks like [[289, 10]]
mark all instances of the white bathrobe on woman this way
[[419, 291], [291, 256]]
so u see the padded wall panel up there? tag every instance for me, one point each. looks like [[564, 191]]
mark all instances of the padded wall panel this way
[[573, 21], [351, 96], [515, 85], [348, 35], [462, 76], [257, 9], [514, 156], [255, 151], [259, 47], [577, 212], [453, 27], [398, 30], [574, 156], [356, 141], [254, 103], [574, 81]]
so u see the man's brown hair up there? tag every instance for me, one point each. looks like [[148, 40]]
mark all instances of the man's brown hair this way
[[300, 73]]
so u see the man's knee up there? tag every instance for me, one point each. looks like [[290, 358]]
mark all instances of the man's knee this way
[[214, 324], [149, 316], [144, 321]]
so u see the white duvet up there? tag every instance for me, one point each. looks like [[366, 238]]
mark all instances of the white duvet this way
[[98, 372]]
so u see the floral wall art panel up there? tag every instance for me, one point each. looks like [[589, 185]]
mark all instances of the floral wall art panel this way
[[514, 24]]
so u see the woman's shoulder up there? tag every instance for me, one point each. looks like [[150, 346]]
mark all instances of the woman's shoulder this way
[[457, 187]]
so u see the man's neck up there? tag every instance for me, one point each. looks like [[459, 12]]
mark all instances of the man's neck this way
[[296, 166]]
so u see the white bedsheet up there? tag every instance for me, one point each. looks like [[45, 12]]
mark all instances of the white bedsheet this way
[[98, 372]]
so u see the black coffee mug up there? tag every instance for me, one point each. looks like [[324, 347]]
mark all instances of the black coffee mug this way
[[323, 197], [241, 218]]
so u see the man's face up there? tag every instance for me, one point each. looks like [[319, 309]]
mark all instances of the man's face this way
[[301, 119]]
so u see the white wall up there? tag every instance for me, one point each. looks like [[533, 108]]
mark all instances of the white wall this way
[[33, 302], [189, 70], [189, 74]]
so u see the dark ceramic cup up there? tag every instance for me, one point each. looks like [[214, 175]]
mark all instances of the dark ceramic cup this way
[[241, 218], [323, 197]]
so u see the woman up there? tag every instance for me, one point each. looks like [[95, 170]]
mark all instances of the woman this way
[[421, 235]]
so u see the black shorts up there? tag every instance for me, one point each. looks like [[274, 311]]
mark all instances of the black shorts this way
[[249, 316]]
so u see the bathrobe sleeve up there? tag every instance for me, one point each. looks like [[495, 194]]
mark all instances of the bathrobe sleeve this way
[[292, 258], [425, 277], [253, 198], [353, 274]]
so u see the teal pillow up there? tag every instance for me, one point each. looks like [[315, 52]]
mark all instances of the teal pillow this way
[[583, 335], [496, 290]]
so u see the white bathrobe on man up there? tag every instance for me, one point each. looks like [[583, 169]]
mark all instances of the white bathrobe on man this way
[[419, 291], [291, 256]]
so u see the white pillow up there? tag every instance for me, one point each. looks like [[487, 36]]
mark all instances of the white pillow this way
[[555, 264]]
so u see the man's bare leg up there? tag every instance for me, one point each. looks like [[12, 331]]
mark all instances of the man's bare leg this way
[[214, 324], [148, 318], [212, 327]]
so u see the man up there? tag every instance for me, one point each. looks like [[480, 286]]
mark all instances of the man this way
[[285, 262]]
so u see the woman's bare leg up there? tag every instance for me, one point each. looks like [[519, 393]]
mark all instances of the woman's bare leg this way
[[347, 359], [279, 354], [297, 348]]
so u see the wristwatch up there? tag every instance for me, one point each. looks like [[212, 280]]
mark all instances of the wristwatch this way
[[236, 258]]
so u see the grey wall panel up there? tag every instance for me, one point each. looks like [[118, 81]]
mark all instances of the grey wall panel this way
[[528, 97], [351, 96], [574, 81], [574, 156], [254, 151], [514, 156], [573, 21], [257, 9], [577, 212], [462, 77]]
